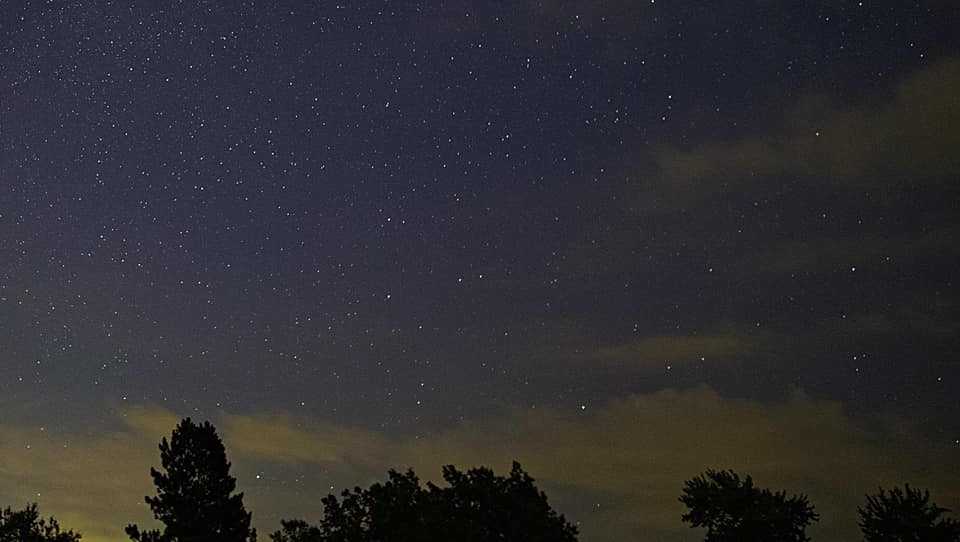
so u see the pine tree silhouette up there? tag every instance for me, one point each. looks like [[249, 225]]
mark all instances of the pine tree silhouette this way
[[194, 491]]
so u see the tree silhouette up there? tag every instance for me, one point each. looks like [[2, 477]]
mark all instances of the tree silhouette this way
[[27, 526], [732, 509], [296, 530], [475, 506], [905, 516], [479, 506], [194, 500]]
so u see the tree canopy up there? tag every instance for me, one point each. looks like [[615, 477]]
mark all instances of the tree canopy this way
[[475, 506], [27, 526], [732, 509], [905, 515], [196, 502], [195, 499]]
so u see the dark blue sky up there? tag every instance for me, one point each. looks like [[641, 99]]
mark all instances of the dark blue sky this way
[[408, 219]]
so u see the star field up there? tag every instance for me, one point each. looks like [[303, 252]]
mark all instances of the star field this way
[[390, 226]]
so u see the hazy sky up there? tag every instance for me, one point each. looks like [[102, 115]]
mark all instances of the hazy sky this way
[[618, 241]]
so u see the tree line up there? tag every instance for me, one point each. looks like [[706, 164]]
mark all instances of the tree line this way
[[196, 501]]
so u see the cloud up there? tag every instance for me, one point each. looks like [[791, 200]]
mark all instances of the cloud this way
[[910, 138], [838, 254], [284, 440], [676, 349], [567, 344], [149, 421], [94, 483], [633, 455], [616, 468]]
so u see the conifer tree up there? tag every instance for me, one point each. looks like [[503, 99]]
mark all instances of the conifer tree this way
[[195, 498]]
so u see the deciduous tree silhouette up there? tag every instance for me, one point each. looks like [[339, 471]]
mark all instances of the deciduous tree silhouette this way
[[905, 515], [479, 506], [732, 509], [194, 491], [475, 506], [27, 526], [296, 530]]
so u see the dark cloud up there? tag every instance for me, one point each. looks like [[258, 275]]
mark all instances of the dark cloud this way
[[837, 254], [907, 140]]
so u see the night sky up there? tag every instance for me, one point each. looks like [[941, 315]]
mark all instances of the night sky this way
[[618, 241]]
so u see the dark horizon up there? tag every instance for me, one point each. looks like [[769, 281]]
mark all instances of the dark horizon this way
[[619, 242]]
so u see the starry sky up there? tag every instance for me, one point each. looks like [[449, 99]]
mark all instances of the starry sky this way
[[619, 241]]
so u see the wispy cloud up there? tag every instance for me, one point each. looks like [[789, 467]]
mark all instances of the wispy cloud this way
[[907, 139], [657, 350]]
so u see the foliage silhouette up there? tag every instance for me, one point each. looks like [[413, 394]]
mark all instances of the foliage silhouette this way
[[194, 500], [905, 515], [296, 530], [475, 506], [27, 526], [732, 509]]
